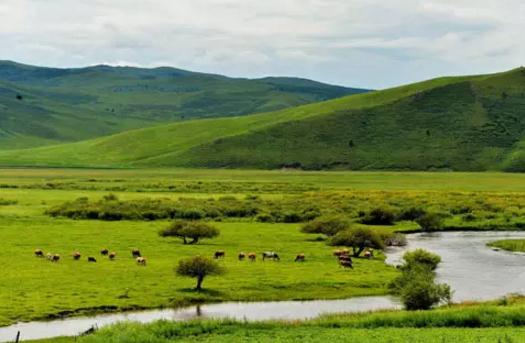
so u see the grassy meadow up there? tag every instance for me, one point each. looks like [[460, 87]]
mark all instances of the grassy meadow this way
[[517, 245], [34, 288]]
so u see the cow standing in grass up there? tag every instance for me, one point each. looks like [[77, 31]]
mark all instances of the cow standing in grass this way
[[300, 258], [270, 255], [252, 256], [219, 254]]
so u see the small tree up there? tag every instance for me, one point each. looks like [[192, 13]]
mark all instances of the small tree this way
[[193, 230], [416, 285], [198, 267], [358, 239], [326, 225], [430, 222]]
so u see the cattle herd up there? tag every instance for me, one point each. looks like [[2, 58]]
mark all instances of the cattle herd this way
[[111, 255], [343, 256]]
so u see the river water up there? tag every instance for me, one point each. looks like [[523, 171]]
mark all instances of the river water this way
[[473, 270]]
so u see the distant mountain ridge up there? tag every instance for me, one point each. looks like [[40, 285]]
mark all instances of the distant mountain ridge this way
[[42, 106], [469, 123]]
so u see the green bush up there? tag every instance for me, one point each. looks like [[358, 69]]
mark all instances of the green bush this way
[[379, 216], [430, 222], [329, 225], [416, 285], [421, 257], [358, 239], [189, 230]]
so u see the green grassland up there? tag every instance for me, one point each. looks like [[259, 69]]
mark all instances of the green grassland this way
[[32, 288], [487, 322], [517, 245], [42, 106], [466, 123]]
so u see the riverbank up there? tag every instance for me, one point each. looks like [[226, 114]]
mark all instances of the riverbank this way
[[495, 321], [514, 245]]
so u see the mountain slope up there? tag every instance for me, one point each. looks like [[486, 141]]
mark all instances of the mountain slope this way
[[432, 124], [41, 106]]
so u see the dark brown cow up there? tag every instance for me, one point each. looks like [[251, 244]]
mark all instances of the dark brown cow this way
[[300, 258], [92, 259], [136, 253], [76, 255], [252, 256], [55, 258], [241, 256], [112, 255], [39, 253], [219, 254], [346, 263], [104, 252]]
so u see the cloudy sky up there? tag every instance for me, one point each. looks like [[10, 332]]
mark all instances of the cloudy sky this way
[[366, 43]]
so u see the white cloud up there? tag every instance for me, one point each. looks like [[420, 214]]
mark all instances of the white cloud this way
[[369, 43]]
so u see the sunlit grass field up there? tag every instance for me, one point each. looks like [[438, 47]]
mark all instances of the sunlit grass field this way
[[33, 288]]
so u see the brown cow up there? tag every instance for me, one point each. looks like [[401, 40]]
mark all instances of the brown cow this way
[[92, 259], [76, 255], [252, 256], [300, 258], [104, 252], [112, 255], [241, 256], [136, 253], [346, 263], [55, 258], [219, 254], [141, 261], [39, 253]]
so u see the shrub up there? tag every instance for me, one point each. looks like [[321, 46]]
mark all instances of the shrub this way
[[416, 285], [358, 239], [189, 229], [430, 222], [421, 257], [326, 225], [198, 267], [378, 216], [411, 213]]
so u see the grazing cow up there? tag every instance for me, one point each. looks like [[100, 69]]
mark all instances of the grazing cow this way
[[55, 258], [241, 256], [39, 253], [367, 254], [136, 253], [104, 252], [252, 256], [92, 259], [340, 252], [346, 263], [271, 255], [141, 261], [300, 258], [219, 254], [49, 256], [76, 255], [112, 255]]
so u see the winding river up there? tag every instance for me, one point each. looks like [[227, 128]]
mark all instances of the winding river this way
[[473, 270]]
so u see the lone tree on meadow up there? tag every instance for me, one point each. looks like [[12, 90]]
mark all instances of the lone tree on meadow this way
[[193, 230], [358, 239], [198, 267]]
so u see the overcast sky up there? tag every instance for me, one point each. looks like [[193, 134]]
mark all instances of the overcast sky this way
[[366, 43]]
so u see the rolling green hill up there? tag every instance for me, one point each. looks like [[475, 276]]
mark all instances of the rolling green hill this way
[[454, 123], [41, 106]]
